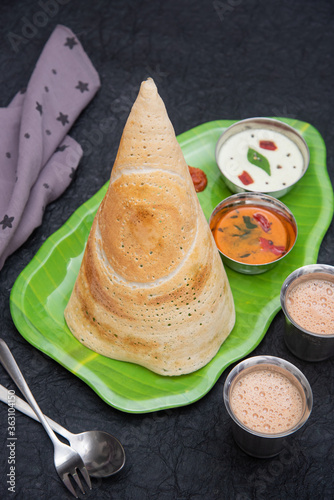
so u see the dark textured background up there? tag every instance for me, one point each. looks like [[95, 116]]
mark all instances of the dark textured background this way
[[229, 59]]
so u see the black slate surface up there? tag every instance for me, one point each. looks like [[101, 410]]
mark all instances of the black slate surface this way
[[229, 59]]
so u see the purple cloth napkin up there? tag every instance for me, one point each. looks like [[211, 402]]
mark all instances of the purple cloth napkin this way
[[37, 157]]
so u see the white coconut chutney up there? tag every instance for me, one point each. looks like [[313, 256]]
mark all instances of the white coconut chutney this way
[[261, 160]]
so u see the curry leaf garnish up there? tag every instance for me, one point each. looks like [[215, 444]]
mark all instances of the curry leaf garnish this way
[[258, 160], [248, 223], [241, 235]]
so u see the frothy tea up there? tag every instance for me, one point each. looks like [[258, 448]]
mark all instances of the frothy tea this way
[[310, 303], [267, 399]]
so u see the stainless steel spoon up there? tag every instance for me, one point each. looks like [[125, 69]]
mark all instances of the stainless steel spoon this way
[[102, 454]]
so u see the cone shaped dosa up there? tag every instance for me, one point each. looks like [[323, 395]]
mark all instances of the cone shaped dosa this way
[[152, 288]]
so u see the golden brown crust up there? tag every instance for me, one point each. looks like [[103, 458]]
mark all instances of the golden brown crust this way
[[151, 288]]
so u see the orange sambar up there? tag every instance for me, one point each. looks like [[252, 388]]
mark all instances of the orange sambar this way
[[253, 235]]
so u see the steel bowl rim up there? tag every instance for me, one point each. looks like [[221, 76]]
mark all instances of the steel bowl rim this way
[[272, 200], [275, 361], [313, 268], [274, 123]]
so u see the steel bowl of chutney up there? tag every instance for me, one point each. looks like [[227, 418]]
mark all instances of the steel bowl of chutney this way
[[253, 231], [262, 155]]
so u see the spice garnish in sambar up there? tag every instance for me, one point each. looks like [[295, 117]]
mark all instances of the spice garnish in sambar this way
[[253, 235]]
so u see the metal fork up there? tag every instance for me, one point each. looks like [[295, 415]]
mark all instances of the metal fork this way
[[67, 461]]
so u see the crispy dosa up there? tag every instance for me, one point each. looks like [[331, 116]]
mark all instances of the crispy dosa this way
[[152, 288]]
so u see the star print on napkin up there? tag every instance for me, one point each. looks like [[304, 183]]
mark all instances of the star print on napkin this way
[[39, 159], [63, 118], [39, 108], [70, 42], [82, 87], [6, 221]]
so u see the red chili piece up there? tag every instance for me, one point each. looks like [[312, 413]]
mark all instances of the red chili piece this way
[[245, 178], [269, 245], [199, 178], [268, 145], [263, 222]]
